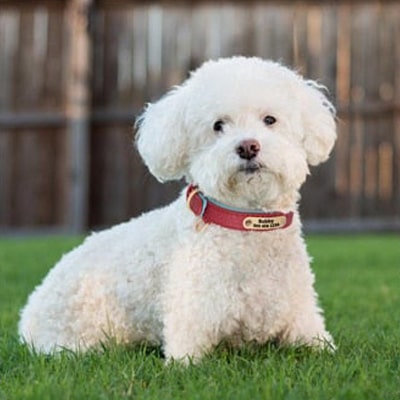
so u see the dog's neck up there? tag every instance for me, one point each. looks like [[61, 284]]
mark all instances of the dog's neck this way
[[211, 211]]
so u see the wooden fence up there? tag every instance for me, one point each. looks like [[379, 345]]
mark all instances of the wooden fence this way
[[74, 73]]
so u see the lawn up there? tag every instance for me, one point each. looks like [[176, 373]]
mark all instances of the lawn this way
[[358, 278]]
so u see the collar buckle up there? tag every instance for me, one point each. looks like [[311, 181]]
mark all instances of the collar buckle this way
[[193, 191]]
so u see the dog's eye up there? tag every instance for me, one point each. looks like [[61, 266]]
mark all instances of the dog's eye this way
[[218, 126], [269, 120]]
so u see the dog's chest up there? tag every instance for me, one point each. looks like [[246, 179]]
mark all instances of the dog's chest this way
[[256, 274]]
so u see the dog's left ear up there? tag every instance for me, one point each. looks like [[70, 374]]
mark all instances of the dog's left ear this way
[[161, 136], [318, 116]]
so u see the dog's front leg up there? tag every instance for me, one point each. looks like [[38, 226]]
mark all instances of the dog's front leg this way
[[195, 310], [308, 328], [186, 338]]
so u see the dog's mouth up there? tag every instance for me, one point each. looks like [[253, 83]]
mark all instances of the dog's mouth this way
[[250, 167]]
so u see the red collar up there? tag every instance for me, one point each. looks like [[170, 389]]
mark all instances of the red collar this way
[[212, 212]]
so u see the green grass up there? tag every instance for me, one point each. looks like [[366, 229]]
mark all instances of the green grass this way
[[358, 279]]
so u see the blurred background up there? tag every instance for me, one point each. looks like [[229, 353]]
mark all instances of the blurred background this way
[[75, 73]]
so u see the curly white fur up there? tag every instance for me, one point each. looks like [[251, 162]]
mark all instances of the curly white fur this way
[[158, 279]]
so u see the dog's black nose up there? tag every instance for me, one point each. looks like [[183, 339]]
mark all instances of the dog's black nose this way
[[248, 149]]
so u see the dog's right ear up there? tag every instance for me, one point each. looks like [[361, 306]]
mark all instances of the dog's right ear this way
[[161, 136]]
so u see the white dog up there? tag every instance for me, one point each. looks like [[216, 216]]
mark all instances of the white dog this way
[[226, 261]]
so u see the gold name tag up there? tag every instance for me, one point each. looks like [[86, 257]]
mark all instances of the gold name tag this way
[[257, 223]]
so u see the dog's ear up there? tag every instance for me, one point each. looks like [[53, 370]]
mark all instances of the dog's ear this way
[[318, 116], [161, 136]]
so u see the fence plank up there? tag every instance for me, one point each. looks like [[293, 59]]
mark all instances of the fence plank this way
[[78, 105], [343, 93], [394, 12]]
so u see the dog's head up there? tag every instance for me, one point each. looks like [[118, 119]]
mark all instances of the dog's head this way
[[245, 130]]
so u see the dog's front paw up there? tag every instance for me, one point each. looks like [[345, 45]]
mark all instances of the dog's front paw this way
[[322, 342], [319, 342], [183, 358]]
